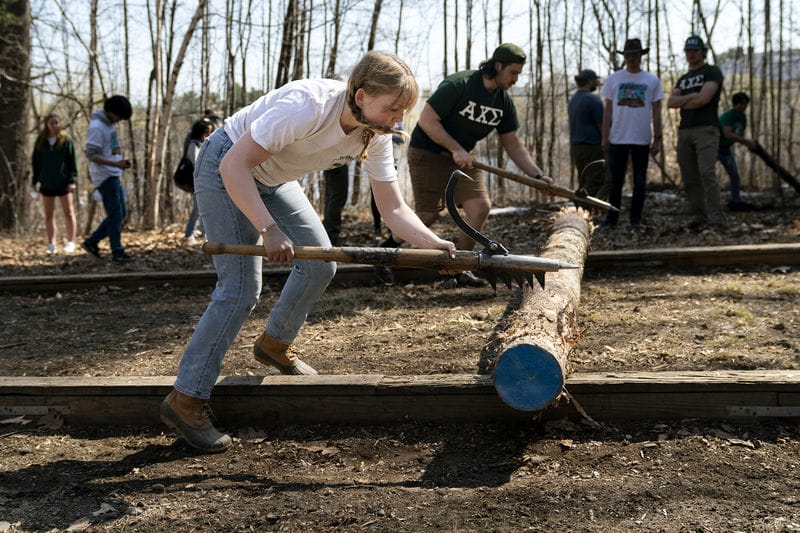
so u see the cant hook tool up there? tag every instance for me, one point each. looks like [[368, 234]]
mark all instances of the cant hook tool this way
[[492, 262]]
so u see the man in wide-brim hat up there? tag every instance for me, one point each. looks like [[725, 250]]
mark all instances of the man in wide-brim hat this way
[[632, 101], [633, 46]]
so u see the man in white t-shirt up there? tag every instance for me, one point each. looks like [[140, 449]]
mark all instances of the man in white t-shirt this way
[[632, 99]]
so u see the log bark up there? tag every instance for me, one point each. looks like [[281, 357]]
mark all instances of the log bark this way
[[537, 338]]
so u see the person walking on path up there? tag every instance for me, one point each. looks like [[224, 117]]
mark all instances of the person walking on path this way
[[104, 152], [465, 108], [632, 102], [248, 191], [585, 112], [733, 123], [200, 131], [55, 175], [697, 96]]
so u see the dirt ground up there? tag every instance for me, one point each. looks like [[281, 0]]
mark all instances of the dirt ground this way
[[687, 475]]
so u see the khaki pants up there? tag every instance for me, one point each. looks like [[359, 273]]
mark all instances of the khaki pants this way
[[430, 173], [697, 157]]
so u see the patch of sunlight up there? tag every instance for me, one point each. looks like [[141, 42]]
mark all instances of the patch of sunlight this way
[[784, 288], [730, 291], [741, 312]]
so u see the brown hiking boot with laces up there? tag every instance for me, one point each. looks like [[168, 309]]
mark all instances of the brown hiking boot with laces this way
[[271, 352], [191, 417]]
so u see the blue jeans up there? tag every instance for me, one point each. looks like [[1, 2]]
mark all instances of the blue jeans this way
[[111, 226], [239, 276], [617, 166], [730, 166], [194, 218]]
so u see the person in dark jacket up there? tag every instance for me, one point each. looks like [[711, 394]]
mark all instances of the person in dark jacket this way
[[55, 175]]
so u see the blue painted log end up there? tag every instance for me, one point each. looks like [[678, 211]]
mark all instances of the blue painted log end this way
[[528, 378]]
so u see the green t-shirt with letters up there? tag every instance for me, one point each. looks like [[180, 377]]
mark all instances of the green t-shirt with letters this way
[[468, 112]]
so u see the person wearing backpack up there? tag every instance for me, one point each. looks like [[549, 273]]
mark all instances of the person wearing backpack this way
[[184, 176]]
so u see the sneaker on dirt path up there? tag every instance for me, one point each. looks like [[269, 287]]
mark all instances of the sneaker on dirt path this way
[[91, 248], [69, 247], [121, 257], [51, 249]]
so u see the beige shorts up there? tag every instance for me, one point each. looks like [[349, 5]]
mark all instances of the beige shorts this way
[[430, 173]]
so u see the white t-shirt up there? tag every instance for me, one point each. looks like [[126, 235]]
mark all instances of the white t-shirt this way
[[102, 138], [632, 97], [299, 124]]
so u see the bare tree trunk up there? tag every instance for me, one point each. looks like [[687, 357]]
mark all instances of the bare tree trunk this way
[[230, 62], [750, 84], [608, 41], [267, 52], [500, 185], [500, 9], [444, 35], [92, 68], [137, 190], [300, 43], [455, 38], [552, 97], [164, 118], [538, 80], [791, 93], [373, 27], [399, 27], [330, 72], [309, 26], [245, 32], [205, 59], [468, 29], [287, 44], [15, 67]]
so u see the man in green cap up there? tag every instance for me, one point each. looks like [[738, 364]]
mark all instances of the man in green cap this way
[[465, 108], [697, 96]]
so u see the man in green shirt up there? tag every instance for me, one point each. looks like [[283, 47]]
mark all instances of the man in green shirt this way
[[697, 96], [465, 108], [733, 122]]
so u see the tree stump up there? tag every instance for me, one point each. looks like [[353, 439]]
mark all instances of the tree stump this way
[[537, 338]]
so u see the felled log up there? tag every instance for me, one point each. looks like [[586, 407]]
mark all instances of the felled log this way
[[537, 338]]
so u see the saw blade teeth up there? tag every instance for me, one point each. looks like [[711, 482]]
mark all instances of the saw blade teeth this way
[[529, 279], [491, 277], [506, 278], [540, 278]]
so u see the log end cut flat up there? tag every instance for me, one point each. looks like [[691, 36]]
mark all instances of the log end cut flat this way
[[528, 378]]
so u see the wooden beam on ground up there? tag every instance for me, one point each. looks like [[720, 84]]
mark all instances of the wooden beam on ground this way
[[535, 340], [241, 401], [744, 254]]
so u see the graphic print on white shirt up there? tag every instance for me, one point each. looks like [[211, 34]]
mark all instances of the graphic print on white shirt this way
[[632, 94]]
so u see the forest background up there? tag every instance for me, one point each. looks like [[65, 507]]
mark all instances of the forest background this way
[[175, 58]]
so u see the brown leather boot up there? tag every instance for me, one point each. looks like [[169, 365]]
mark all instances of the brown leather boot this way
[[271, 352], [191, 417]]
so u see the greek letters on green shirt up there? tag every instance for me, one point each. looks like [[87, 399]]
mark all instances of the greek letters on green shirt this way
[[468, 112], [692, 82]]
